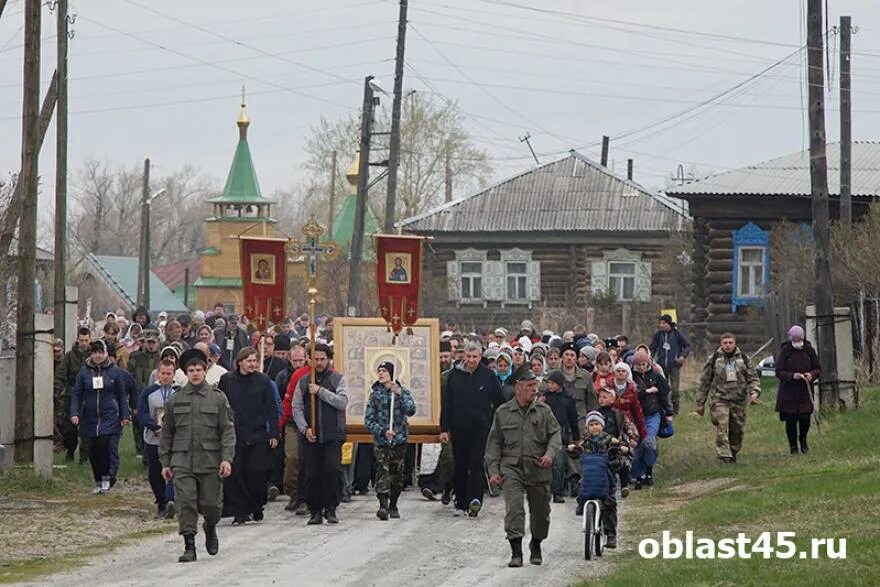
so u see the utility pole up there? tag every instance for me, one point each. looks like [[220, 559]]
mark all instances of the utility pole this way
[[448, 177], [605, 143], [61, 175], [845, 121], [332, 194], [27, 236], [527, 139], [143, 289], [828, 389], [394, 144], [357, 238]]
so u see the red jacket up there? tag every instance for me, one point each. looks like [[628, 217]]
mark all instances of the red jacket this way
[[628, 404], [287, 402]]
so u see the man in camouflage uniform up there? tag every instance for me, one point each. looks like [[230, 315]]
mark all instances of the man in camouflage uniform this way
[[523, 441], [196, 448], [390, 436], [141, 363], [729, 383], [65, 378]]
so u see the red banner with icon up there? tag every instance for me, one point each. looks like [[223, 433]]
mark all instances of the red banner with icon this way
[[398, 273], [264, 279]]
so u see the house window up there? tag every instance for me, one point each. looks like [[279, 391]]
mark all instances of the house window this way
[[751, 272], [471, 280], [622, 280], [517, 276]]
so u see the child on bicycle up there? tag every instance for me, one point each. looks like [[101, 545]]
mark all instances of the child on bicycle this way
[[600, 458], [618, 425]]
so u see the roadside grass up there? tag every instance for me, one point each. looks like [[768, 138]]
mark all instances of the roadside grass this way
[[833, 492], [54, 524]]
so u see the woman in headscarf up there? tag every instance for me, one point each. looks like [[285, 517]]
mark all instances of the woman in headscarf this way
[[503, 370], [797, 366], [133, 337], [205, 334]]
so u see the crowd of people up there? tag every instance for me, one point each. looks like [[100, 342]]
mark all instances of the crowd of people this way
[[531, 414]]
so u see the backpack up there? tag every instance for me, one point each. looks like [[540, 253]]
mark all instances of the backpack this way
[[596, 481]]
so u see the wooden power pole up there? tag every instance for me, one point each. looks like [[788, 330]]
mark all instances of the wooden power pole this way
[[27, 236], [448, 177], [357, 237], [845, 120], [61, 176], [143, 288], [333, 172], [828, 389], [394, 143]]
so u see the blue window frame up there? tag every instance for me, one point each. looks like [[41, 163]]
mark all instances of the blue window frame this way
[[751, 265]]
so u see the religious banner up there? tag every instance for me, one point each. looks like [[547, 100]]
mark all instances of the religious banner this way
[[361, 344], [398, 273], [264, 279]]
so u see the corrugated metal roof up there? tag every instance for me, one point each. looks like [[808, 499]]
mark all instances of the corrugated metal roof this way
[[570, 194], [120, 273], [174, 274], [790, 175]]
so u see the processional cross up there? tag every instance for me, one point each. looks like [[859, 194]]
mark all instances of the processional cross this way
[[314, 251]]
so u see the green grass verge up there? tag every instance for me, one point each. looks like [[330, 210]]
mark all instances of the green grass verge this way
[[833, 492]]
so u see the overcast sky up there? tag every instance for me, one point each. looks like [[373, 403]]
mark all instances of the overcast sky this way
[[162, 78]]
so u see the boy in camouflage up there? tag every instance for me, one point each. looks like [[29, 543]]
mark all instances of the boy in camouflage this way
[[729, 383], [390, 433]]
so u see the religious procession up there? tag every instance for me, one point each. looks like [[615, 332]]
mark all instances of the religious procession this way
[[289, 297]]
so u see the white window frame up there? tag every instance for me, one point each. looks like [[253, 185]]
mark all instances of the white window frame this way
[[521, 283], [753, 266], [470, 276], [620, 291]]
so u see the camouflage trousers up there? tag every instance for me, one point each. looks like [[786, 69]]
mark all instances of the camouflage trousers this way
[[389, 468], [730, 423]]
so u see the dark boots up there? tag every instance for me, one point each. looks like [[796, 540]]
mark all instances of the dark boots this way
[[212, 543], [535, 552], [392, 505], [516, 555], [330, 515], [804, 448], [189, 549], [382, 512], [316, 518]]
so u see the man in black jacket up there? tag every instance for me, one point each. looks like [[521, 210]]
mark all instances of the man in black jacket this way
[[324, 437], [469, 399]]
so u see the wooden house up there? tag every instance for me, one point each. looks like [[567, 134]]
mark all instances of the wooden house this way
[[733, 214], [544, 243]]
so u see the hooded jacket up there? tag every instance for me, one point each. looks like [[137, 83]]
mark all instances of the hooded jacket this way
[[102, 410], [142, 311]]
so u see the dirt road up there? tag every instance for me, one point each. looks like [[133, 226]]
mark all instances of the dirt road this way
[[427, 546]]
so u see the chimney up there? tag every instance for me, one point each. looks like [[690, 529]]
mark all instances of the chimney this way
[[605, 140], [629, 169]]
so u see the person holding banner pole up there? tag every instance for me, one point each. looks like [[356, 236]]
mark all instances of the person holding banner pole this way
[[388, 409]]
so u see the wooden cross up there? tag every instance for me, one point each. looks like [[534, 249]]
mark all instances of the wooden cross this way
[[312, 248]]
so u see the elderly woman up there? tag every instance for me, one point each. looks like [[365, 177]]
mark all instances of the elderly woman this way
[[797, 366]]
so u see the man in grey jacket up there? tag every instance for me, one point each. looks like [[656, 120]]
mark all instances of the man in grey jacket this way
[[323, 448]]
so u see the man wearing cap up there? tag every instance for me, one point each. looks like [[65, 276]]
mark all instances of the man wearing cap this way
[[141, 364], [389, 425], [670, 348], [729, 383], [196, 448], [523, 441], [215, 369], [278, 361], [322, 450], [65, 379], [231, 339], [187, 333]]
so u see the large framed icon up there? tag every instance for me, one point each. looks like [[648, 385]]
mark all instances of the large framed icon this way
[[360, 344]]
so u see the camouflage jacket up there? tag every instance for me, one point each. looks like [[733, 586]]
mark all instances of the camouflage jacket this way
[[68, 369], [727, 379], [378, 410], [141, 364]]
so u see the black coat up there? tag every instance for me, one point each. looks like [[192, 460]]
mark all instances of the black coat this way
[[563, 407], [253, 406], [469, 400], [794, 394]]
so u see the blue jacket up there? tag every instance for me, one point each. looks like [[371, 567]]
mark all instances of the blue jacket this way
[[678, 347], [100, 411], [599, 460], [379, 409]]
